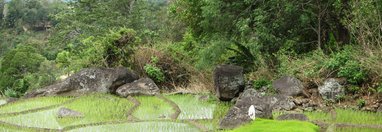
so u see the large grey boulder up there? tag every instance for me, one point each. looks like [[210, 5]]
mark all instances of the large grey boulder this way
[[65, 112], [293, 116], [102, 80], [229, 81], [277, 102], [288, 86], [331, 89], [263, 104], [144, 86], [238, 114]]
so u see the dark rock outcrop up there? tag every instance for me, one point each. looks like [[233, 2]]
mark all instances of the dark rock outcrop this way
[[288, 86], [263, 104], [293, 116], [65, 112], [331, 89], [103, 80], [229, 81], [238, 114], [144, 86]]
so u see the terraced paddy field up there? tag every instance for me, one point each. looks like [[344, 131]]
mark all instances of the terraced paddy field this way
[[161, 113]]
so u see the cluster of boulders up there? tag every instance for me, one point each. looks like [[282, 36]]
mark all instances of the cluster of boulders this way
[[119, 81], [290, 96]]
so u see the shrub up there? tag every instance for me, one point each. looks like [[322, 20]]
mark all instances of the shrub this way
[[176, 72], [361, 103], [11, 93], [258, 84], [308, 67], [153, 71], [353, 89], [353, 72], [15, 65], [379, 89], [347, 66]]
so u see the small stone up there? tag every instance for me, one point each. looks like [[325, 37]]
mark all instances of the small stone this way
[[300, 101], [65, 112]]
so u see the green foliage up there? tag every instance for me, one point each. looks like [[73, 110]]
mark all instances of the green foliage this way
[[258, 84], [353, 89], [353, 72], [361, 103], [379, 89], [347, 66], [31, 14], [110, 50], [16, 65], [306, 66], [11, 93], [153, 71]]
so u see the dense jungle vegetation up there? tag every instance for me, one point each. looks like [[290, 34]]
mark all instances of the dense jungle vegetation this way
[[179, 42]]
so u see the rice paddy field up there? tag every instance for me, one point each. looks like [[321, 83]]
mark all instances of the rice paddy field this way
[[162, 113]]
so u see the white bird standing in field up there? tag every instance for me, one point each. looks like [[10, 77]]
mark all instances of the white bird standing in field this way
[[252, 112]]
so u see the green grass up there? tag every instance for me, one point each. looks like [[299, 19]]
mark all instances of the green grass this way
[[141, 127], [220, 111], [192, 107], [98, 108], [263, 125], [153, 108], [42, 119], [321, 116], [358, 117], [8, 129], [23, 105], [351, 129]]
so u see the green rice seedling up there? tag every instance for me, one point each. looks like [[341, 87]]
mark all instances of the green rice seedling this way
[[220, 111], [41, 119], [263, 125], [34, 103], [10, 129], [352, 129], [192, 107], [153, 108], [318, 115], [358, 117], [141, 127], [97, 108]]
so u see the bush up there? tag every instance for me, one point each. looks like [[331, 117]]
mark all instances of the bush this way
[[353, 72], [15, 65], [258, 84], [153, 71], [379, 89], [353, 89], [347, 66], [176, 72], [308, 67], [361, 103], [11, 93]]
